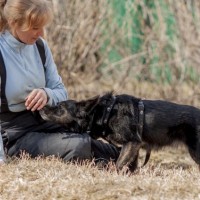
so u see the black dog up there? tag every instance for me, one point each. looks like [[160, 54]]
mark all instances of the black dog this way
[[132, 123]]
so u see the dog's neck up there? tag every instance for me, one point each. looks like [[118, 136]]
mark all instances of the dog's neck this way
[[105, 117]]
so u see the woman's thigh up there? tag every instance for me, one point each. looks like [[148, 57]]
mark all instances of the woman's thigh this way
[[64, 145]]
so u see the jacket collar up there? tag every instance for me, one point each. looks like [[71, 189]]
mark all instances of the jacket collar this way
[[12, 42]]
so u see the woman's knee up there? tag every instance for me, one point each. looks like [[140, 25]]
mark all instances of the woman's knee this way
[[79, 148]]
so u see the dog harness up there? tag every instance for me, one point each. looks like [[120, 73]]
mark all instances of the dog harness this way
[[4, 102], [106, 115]]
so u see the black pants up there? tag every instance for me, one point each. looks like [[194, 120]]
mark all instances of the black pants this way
[[25, 132]]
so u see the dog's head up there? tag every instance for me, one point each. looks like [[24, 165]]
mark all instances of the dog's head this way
[[70, 113]]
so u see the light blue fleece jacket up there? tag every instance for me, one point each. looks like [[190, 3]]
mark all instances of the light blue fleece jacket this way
[[25, 72]]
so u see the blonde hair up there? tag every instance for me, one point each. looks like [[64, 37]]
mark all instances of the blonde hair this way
[[25, 14]]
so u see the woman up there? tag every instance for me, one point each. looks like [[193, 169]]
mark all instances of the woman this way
[[27, 86]]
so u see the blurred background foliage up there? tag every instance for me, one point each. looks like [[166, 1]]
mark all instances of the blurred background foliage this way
[[149, 48]]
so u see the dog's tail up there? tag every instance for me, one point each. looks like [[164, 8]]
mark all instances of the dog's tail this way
[[148, 154]]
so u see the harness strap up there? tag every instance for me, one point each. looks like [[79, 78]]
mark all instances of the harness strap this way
[[4, 102], [140, 118], [107, 114], [109, 109]]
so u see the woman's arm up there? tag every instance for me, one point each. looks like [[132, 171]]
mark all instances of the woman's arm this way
[[54, 90]]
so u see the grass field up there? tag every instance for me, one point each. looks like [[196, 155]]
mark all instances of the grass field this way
[[170, 174]]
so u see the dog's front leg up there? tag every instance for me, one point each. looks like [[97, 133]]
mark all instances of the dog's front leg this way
[[128, 156]]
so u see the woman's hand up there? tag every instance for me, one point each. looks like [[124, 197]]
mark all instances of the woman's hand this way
[[36, 100]]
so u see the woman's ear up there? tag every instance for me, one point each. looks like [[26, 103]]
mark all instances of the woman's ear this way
[[11, 23], [12, 26]]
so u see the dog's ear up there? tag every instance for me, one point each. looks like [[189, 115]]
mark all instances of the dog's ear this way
[[86, 107]]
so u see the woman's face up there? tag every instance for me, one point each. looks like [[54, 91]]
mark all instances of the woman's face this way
[[28, 37]]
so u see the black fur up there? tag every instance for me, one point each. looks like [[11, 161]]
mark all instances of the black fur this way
[[164, 123]]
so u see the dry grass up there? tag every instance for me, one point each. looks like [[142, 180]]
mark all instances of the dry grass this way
[[81, 29], [170, 174]]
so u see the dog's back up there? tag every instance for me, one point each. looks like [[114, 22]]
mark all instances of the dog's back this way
[[167, 122]]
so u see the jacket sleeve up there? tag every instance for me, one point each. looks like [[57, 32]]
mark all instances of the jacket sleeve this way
[[54, 88]]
